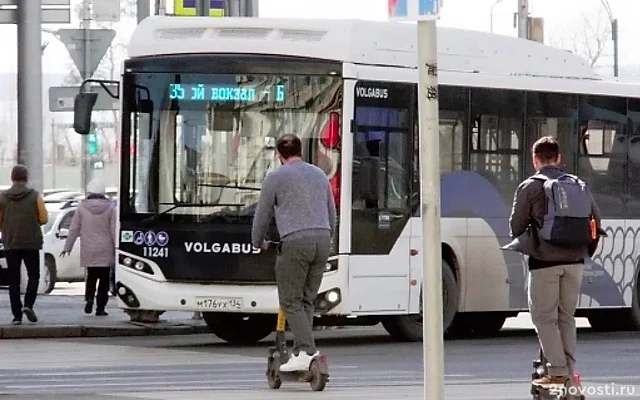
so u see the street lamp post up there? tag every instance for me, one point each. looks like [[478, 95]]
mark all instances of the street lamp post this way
[[491, 14]]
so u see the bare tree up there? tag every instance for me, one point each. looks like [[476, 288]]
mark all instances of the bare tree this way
[[590, 39]]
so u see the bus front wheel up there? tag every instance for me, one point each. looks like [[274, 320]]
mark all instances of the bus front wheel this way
[[409, 327], [240, 328]]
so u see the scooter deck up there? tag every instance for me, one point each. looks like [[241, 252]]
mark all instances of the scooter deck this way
[[544, 392], [276, 361], [317, 375]]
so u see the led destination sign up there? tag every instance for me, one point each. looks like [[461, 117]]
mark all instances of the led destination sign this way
[[202, 92]]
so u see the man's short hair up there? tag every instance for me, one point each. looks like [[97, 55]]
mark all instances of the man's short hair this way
[[546, 149], [19, 173], [289, 145]]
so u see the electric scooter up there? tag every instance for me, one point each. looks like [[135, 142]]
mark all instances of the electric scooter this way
[[570, 390], [317, 375]]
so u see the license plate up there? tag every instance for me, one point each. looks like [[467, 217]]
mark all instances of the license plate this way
[[218, 303]]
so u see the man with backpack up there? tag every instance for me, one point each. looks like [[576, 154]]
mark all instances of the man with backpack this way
[[556, 222]]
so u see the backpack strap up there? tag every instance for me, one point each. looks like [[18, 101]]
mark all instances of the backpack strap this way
[[540, 177], [544, 178]]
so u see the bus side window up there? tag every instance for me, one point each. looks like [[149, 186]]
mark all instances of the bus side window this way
[[603, 123], [551, 114], [365, 180], [381, 178], [497, 138], [633, 163]]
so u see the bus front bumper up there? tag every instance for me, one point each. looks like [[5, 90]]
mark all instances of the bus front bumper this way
[[138, 292]]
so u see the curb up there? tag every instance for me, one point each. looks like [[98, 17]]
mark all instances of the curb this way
[[75, 331]]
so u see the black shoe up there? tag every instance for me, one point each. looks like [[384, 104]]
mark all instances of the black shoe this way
[[31, 315], [101, 312], [88, 307]]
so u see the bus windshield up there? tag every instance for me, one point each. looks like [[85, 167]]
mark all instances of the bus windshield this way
[[202, 143]]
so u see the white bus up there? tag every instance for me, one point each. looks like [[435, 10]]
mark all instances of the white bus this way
[[204, 99]]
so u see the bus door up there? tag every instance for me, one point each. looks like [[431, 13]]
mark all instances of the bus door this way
[[379, 260]]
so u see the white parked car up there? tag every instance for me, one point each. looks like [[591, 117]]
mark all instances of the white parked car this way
[[67, 269], [62, 196], [55, 269]]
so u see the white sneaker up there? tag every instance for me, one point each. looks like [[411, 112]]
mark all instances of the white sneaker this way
[[301, 362]]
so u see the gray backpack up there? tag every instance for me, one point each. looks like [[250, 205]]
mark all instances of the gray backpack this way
[[568, 218]]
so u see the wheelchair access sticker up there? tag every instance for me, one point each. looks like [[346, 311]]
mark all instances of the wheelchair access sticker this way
[[150, 238], [154, 244]]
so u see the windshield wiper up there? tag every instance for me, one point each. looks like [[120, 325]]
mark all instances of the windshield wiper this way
[[229, 186], [155, 216]]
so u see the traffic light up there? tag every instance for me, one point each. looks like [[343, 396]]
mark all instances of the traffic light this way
[[92, 146]]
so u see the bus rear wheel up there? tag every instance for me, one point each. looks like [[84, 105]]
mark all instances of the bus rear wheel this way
[[240, 328], [409, 327]]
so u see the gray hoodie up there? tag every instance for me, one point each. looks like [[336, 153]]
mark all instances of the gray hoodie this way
[[95, 222]]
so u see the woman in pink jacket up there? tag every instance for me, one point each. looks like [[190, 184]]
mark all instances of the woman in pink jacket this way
[[95, 222]]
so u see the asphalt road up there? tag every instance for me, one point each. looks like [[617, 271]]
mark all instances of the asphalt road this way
[[364, 364]]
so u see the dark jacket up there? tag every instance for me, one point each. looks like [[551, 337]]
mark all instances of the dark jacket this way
[[22, 211], [529, 206]]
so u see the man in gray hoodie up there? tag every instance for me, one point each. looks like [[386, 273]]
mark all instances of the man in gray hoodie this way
[[22, 212], [298, 194], [95, 222]]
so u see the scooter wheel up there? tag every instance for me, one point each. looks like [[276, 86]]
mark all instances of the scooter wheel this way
[[273, 377], [274, 381], [535, 393], [318, 379]]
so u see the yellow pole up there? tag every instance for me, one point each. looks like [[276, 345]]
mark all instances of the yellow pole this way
[[281, 321]]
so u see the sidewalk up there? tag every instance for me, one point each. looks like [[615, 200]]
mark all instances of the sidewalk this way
[[63, 316]]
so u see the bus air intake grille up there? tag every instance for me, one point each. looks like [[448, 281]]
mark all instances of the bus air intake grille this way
[[244, 33], [300, 35], [179, 34]]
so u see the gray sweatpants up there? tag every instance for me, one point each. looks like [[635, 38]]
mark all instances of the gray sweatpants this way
[[299, 270], [553, 299]]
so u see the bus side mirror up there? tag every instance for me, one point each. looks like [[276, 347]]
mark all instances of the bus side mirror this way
[[145, 106], [82, 108]]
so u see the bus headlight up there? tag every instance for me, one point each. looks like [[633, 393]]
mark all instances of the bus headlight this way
[[332, 296], [328, 300], [127, 296], [332, 265], [137, 265]]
